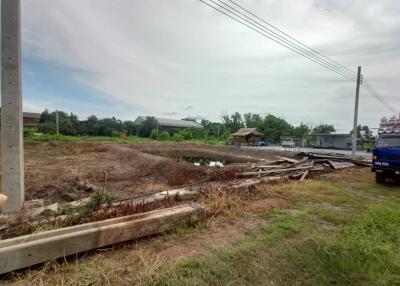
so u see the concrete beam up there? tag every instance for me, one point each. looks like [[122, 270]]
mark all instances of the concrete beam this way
[[25, 251], [12, 152]]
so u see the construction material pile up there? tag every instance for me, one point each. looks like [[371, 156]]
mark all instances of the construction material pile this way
[[298, 168]]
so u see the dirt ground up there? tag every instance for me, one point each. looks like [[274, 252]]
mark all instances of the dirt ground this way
[[64, 171]]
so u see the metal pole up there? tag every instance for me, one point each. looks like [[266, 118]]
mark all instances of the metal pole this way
[[354, 141], [57, 128], [12, 149]]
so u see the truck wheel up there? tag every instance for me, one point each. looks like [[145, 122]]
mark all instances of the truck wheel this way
[[380, 178]]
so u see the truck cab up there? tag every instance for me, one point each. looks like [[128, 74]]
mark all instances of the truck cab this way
[[386, 156]]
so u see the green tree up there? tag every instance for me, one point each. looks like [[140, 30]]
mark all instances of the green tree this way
[[253, 120], [323, 129], [301, 131], [149, 124], [233, 122], [274, 128], [129, 127], [189, 118]]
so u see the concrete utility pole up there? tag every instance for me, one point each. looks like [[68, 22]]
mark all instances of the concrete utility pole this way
[[12, 150], [354, 141]]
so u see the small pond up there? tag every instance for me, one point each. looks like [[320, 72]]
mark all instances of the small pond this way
[[204, 161]]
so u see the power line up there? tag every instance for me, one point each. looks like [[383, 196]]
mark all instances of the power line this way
[[294, 39], [251, 26], [378, 96], [293, 44]]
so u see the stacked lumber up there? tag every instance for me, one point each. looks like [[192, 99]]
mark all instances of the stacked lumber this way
[[283, 167], [293, 168], [335, 157]]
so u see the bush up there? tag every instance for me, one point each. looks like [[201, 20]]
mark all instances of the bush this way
[[115, 134], [29, 132], [163, 136], [178, 137], [154, 134], [186, 134], [47, 128]]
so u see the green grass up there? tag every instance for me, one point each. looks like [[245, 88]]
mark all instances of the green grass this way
[[294, 251], [328, 237], [237, 265], [66, 138], [337, 231], [128, 139]]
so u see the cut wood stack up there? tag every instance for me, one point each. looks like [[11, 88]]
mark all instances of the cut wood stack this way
[[297, 168]]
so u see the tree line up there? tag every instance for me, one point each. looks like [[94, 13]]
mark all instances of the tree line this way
[[273, 127], [69, 124]]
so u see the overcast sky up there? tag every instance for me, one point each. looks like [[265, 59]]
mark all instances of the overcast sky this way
[[177, 58]]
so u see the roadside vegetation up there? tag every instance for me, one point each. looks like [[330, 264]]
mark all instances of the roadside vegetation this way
[[338, 229], [110, 129], [117, 139]]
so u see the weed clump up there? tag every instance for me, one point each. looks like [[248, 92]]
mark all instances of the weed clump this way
[[83, 213], [223, 201]]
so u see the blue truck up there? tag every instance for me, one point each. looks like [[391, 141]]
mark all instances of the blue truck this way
[[386, 155]]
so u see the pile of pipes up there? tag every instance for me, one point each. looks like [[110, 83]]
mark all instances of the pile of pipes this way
[[297, 168]]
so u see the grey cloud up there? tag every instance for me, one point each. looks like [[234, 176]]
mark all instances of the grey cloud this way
[[156, 55]]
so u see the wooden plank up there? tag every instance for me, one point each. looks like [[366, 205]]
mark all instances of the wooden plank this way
[[304, 175], [21, 252], [291, 160], [340, 165], [277, 171]]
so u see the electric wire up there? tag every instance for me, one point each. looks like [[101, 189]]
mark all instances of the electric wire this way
[[294, 39], [378, 96], [293, 44], [254, 28]]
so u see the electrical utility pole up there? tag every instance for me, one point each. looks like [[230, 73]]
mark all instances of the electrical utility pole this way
[[12, 150], [57, 122], [354, 141]]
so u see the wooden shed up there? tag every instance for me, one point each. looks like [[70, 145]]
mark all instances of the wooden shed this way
[[247, 136]]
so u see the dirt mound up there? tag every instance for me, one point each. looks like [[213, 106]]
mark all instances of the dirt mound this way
[[61, 171], [71, 189]]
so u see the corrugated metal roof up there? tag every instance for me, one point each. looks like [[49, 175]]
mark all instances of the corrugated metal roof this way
[[246, 131], [170, 122], [29, 114], [177, 123], [335, 135]]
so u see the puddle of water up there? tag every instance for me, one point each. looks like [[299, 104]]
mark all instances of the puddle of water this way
[[204, 161]]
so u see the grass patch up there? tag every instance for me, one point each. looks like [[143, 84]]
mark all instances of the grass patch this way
[[124, 140], [337, 231], [364, 252], [66, 138], [186, 231], [292, 251], [232, 266]]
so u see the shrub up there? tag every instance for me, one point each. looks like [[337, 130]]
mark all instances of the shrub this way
[[163, 136], [154, 134], [29, 132], [186, 134], [178, 137]]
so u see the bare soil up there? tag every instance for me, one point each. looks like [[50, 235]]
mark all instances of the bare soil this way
[[67, 171]]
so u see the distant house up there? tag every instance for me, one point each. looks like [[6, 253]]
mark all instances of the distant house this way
[[29, 119], [336, 141], [246, 136], [170, 125]]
